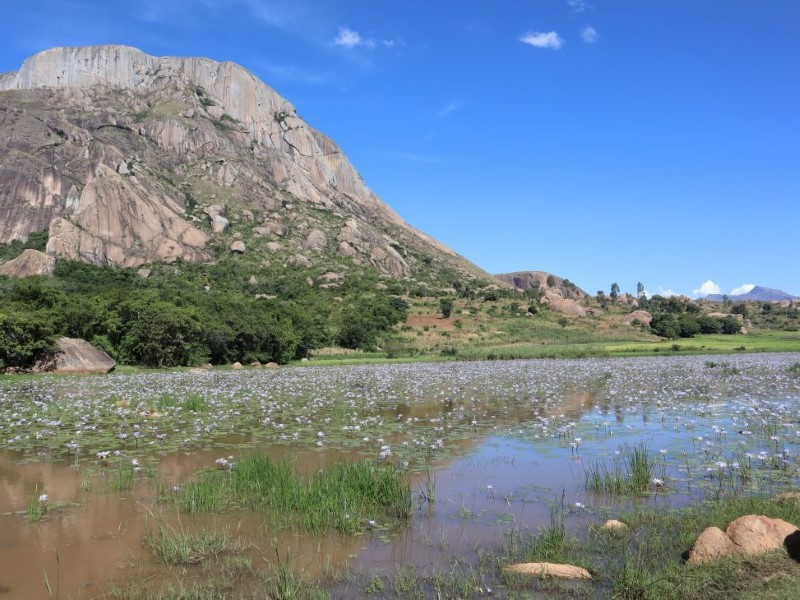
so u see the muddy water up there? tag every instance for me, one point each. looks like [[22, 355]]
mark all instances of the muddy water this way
[[91, 537]]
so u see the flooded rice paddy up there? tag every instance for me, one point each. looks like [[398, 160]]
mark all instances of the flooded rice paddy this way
[[89, 465]]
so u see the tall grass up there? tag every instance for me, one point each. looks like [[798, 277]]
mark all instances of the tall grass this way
[[630, 473], [345, 497]]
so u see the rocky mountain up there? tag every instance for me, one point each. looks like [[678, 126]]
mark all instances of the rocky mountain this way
[[757, 294], [127, 159], [541, 280]]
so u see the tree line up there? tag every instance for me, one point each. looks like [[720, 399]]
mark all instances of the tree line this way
[[177, 319]]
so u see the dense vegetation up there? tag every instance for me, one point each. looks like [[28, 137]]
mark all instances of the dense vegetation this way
[[187, 315], [675, 317]]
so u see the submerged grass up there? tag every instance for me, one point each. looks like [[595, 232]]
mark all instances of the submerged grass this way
[[176, 546], [345, 497]]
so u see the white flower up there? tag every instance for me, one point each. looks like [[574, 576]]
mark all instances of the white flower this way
[[580, 505], [43, 499], [657, 482]]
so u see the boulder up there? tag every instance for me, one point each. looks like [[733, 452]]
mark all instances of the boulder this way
[[639, 315], [238, 247], [298, 260], [750, 534], [272, 365], [557, 303], [315, 240], [753, 534], [711, 544], [331, 276], [77, 356], [219, 224], [214, 210], [237, 365], [28, 264], [545, 569], [613, 525]]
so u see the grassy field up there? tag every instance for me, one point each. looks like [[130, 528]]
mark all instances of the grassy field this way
[[762, 341]]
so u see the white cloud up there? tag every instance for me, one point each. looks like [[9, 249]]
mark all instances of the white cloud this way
[[543, 40], [742, 289], [348, 38], [665, 292], [589, 35], [578, 6], [451, 106], [708, 287]]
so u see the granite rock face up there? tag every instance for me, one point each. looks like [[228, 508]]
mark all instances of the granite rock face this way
[[77, 356], [117, 153], [29, 264]]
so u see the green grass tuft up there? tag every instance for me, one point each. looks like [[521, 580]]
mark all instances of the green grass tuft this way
[[345, 497]]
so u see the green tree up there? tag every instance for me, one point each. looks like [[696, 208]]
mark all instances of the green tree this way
[[740, 309], [163, 335], [688, 326], [730, 326], [639, 289], [601, 298], [446, 306], [614, 291], [665, 325], [25, 339]]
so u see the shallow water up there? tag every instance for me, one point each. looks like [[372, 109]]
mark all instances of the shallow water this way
[[506, 442]]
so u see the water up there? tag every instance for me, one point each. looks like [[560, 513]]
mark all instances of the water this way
[[505, 443]]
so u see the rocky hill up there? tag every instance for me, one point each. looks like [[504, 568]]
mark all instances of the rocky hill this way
[[541, 280], [757, 294], [127, 159]]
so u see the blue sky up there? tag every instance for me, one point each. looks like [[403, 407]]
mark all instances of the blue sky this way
[[601, 140]]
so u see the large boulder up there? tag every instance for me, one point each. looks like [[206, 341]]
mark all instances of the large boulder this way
[[711, 544], [77, 356], [753, 534], [750, 534], [29, 263], [558, 303]]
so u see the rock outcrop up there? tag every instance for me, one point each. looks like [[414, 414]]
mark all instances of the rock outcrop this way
[[28, 264], [77, 356], [638, 315], [565, 306], [750, 534], [119, 154], [541, 280]]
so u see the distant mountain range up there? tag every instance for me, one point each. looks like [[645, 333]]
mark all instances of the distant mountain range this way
[[757, 294]]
